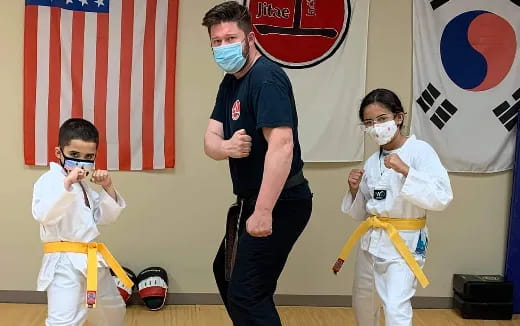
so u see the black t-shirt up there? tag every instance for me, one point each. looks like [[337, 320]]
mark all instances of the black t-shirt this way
[[262, 98]]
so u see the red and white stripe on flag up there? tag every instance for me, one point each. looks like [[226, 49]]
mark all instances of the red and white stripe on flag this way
[[111, 62]]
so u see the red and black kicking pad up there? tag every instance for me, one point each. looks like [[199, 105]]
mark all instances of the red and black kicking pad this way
[[125, 292], [152, 284]]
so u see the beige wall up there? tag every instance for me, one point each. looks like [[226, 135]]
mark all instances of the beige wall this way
[[175, 218]]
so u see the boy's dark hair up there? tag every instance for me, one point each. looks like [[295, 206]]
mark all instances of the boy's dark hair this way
[[77, 128], [383, 97], [229, 11]]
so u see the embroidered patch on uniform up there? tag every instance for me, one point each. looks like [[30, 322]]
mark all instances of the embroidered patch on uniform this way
[[91, 298], [379, 194], [422, 244], [235, 111]]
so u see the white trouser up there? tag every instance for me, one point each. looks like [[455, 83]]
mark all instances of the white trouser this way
[[67, 301], [390, 282]]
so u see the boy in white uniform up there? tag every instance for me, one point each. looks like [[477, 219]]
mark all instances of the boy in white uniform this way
[[69, 212], [398, 184]]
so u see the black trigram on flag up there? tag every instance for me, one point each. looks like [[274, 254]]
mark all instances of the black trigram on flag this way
[[437, 3], [508, 114], [443, 113], [516, 2]]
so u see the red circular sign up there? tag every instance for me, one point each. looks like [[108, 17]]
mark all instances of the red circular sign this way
[[299, 33]]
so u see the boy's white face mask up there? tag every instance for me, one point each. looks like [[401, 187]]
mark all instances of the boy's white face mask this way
[[382, 133]]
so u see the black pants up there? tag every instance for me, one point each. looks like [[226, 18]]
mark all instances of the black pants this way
[[248, 297]]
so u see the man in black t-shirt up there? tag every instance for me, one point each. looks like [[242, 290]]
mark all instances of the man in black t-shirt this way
[[254, 125]]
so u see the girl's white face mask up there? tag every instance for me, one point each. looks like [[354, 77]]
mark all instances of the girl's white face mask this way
[[382, 133]]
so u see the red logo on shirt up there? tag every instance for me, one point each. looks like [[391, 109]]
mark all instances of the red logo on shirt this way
[[235, 111]]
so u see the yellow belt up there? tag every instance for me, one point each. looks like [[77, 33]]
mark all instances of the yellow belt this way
[[392, 227], [91, 249]]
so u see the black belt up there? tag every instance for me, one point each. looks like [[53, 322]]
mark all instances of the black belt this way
[[293, 181], [234, 215], [296, 180]]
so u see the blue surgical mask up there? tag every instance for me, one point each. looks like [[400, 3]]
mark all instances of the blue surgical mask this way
[[229, 57], [70, 163]]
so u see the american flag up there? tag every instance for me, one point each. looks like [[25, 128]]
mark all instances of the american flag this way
[[111, 62]]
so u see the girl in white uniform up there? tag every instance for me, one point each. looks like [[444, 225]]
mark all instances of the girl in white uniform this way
[[400, 182]]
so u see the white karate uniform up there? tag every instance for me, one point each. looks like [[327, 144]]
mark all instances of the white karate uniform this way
[[64, 216], [381, 274]]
